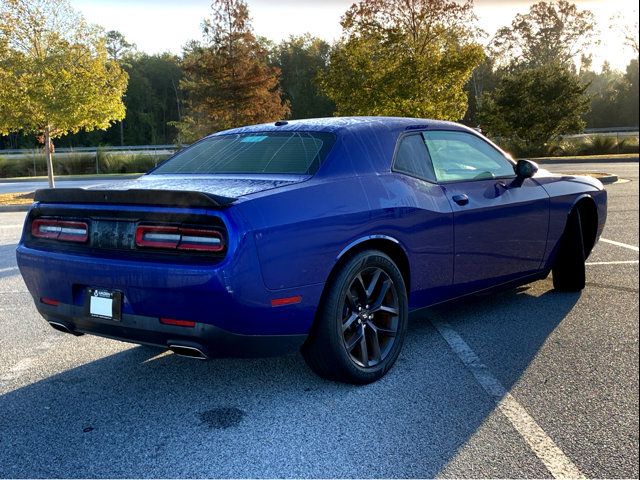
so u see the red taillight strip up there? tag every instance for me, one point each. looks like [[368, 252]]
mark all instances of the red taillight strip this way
[[179, 238], [50, 301], [63, 230], [201, 240], [158, 237], [279, 302], [177, 323]]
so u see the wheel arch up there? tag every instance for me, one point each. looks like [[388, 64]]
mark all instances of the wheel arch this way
[[586, 206], [384, 243]]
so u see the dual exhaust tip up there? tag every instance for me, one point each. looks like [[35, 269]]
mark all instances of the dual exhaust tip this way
[[182, 350], [187, 351]]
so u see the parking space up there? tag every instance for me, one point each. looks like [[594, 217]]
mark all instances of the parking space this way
[[567, 365]]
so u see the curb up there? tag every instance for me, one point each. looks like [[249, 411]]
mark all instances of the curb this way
[[567, 160], [608, 179]]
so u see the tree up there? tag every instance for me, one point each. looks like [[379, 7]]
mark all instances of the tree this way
[[603, 90], [300, 60], [118, 46], [534, 105], [628, 27], [55, 76], [404, 58], [551, 32], [483, 79], [227, 80]]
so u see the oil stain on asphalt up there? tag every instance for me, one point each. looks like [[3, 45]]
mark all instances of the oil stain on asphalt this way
[[223, 417]]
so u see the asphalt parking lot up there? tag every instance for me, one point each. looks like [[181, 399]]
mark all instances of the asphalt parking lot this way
[[525, 383]]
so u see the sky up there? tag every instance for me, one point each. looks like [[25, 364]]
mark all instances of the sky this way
[[156, 26]]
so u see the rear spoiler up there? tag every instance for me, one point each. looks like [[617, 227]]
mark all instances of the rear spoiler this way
[[167, 198]]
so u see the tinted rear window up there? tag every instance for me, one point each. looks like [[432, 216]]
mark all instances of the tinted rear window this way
[[299, 153]]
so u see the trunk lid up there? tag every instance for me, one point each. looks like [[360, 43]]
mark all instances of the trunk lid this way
[[212, 191]]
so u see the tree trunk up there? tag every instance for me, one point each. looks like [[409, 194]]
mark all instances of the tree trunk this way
[[49, 156]]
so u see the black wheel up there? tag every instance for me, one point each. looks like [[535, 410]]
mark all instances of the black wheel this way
[[569, 273], [361, 323]]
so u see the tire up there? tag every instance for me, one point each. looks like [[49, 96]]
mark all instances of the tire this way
[[569, 273], [361, 322]]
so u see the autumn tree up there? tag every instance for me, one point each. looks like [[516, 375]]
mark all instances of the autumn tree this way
[[532, 106], [227, 80], [301, 59], [550, 32], [55, 75], [406, 58]]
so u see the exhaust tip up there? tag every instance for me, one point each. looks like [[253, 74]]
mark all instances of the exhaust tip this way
[[61, 327], [186, 351]]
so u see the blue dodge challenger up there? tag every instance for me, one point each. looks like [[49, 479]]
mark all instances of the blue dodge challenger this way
[[320, 235]]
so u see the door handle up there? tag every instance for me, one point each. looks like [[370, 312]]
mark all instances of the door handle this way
[[461, 199]]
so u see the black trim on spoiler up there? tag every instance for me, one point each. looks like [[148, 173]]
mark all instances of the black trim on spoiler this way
[[169, 198]]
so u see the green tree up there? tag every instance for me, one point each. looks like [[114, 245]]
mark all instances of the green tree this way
[[551, 32], [404, 58], [301, 60], [483, 80], [117, 45], [55, 76], [627, 97], [531, 106], [227, 80], [603, 90]]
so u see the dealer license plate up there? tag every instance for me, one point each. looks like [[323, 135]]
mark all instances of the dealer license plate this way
[[105, 304]]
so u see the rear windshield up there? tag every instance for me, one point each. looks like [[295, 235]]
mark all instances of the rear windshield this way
[[299, 153]]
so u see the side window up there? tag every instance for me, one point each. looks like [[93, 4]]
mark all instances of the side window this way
[[460, 156], [413, 159]]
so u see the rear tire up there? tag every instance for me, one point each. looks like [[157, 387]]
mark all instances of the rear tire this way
[[569, 273], [361, 323]]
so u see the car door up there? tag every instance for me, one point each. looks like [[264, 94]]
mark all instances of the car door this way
[[500, 221]]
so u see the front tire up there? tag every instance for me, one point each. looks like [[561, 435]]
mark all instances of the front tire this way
[[569, 272], [361, 322]]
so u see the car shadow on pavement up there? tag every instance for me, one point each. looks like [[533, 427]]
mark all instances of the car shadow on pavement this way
[[145, 413]]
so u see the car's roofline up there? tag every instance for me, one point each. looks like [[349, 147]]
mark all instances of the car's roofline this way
[[346, 124]]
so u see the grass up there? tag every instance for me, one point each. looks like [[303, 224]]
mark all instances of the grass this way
[[602, 144], [21, 198]]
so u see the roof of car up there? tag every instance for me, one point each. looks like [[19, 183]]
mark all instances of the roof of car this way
[[342, 124]]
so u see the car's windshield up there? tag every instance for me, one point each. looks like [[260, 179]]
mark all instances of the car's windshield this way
[[299, 153]]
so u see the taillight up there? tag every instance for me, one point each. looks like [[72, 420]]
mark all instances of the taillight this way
[[60, 230], [177, 323], [179, 238]]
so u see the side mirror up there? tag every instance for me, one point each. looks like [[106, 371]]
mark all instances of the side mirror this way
[[526, 169]]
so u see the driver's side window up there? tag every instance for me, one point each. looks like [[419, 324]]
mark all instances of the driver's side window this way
[[460, 156]]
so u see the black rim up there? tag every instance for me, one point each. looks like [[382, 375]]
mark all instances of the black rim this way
[[370, 317]]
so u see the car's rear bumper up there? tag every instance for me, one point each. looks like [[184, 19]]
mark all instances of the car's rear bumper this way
[[208, 339], [229, 297]]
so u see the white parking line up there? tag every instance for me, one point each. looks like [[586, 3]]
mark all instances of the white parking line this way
[[10, 269], [558, 464], [619, 244], [12, 226], [621, 262]]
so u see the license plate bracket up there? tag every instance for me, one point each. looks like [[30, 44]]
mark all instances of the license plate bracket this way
[[103, 303]]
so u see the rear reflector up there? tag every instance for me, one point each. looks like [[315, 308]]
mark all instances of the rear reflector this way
[[279, 302], [179, 238], [60, 230], [177, 323], [50, 301]]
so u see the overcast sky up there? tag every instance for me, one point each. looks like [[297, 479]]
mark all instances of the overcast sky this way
[[156, 26]]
